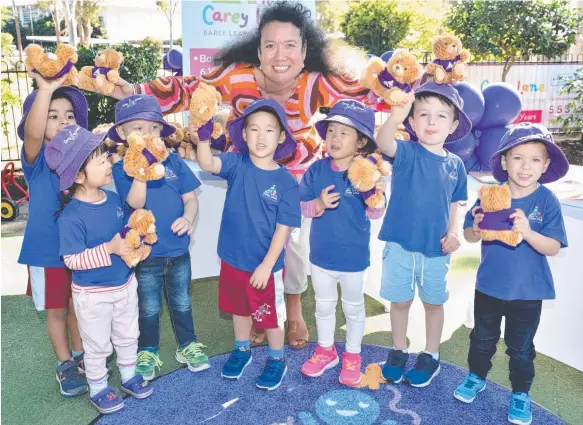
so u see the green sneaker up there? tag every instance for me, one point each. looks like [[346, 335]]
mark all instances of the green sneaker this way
[[193, 356], [147, 364]]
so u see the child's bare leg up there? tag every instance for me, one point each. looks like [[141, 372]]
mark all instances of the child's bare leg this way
[[275, 338], [74, 334], [433, 326], [242, 327], [57, 327], [399, 322]]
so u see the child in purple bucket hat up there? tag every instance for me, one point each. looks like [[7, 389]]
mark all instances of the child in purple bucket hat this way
[[47, 110], [261, 208], [104, 287], [513, 281], [421, 223]]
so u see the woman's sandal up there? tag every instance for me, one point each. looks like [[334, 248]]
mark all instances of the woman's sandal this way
[[301, 338], [258, 336]]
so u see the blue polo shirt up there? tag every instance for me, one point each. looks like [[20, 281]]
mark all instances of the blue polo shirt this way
[[257, 200], [339, 238], [84, 226], [521, 273], [164, 199], [40, 246], [424, 185]]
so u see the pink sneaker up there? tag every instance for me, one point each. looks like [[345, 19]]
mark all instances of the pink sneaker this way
[[321, 361], [350, 374]]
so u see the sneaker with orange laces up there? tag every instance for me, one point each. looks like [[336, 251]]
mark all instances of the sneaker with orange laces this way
[[321, 361], [350, 374]]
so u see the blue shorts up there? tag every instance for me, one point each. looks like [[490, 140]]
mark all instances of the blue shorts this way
[[402, 269]]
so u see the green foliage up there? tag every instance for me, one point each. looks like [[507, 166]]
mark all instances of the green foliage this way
[[426, 23], [152, 43], [179, 41], [7, 41], [6, 15], [573, 123], [43, 26], [8, 99], [510, 29], [329, 14], [375, 25]]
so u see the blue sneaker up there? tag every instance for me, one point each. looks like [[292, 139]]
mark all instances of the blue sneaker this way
[[395, 366], [137, 387], [107, 401], [71, 382], [275, 370], [236, 364], [80, 361], [467, 391], [520, 411], [426, 368]]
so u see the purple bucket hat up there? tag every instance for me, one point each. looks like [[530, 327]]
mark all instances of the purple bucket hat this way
[[139, 107], [67, 151], [235, 127], [72, 94], [450, 93], [352, 113], [528, 132]]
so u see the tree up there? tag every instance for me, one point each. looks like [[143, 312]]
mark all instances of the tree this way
[[7, 41], [509, 30], [17, 28], [87, 14], [329, 14], [53, 7], [426, 23], [573, 123], [168, 7], [375, 25], [69, 6]]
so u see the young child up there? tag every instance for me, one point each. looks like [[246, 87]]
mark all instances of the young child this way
[[421, 224], [47, 110], [167, 270], [339, 256], [104, 288], [262, 206], [512, 282]]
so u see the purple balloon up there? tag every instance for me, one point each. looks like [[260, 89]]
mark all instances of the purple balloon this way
[[472, 163], [387, 55], [489, 144], [503, 105], [474, 103], [463, 148]]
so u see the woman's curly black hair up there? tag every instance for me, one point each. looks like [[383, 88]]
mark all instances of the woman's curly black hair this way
[[318, 49]]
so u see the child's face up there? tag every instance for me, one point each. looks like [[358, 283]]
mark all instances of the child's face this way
[[263, 134], [432, 121], [60, 115], [342, 141], [526, 163], [97, 172], [145, 128]]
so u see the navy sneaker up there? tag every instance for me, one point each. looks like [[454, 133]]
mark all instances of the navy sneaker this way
[[137, 387], [275, 370], [426, 368], [71, 382], [395, 366], [80, 361], [236, 364], [107, 401], [467, 391], [520, 411]]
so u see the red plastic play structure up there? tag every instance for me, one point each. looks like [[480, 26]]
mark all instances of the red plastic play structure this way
[[9, 205]]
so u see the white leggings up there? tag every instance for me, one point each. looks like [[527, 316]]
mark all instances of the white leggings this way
[[352, 290]]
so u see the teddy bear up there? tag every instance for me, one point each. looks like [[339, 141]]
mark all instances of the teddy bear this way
[[372, 378], [364, 172], [115, 151], [102, 77], [204, 105], [392, 81], [450, 60], [139, 234], [495, 204], [52, 66], [144, 157], [174, 141]]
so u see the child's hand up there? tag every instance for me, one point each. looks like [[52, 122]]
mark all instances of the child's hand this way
[[450, 243], [381, 184], [118, 246], [328, 199], [400, 113], [521, 223], [49, 85], [181, 226], [477, 220], [260, 276]]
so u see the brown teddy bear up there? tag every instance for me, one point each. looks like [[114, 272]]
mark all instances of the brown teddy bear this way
[[102, 77], [392, 81], [364, 173], [174, 141], [495, 204], [139, 234], [450, 60], [204, 105], [115, 151], [52, 66], [144, 157]]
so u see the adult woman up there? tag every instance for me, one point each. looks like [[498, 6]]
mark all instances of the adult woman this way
[[289, 60]]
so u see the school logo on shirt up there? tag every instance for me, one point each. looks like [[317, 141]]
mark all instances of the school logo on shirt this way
[[261, 312], [453, 174], [119, 212], [170, 174], [351, 190], [536, 215], [271, 193]]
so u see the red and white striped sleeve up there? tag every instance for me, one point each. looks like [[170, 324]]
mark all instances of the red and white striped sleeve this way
[[309, 209], [91, 258]]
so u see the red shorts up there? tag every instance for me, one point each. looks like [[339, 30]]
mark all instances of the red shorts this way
[[50, 287], [236, 296]]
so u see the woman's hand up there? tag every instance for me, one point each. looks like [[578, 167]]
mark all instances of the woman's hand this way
[[122, 89]]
